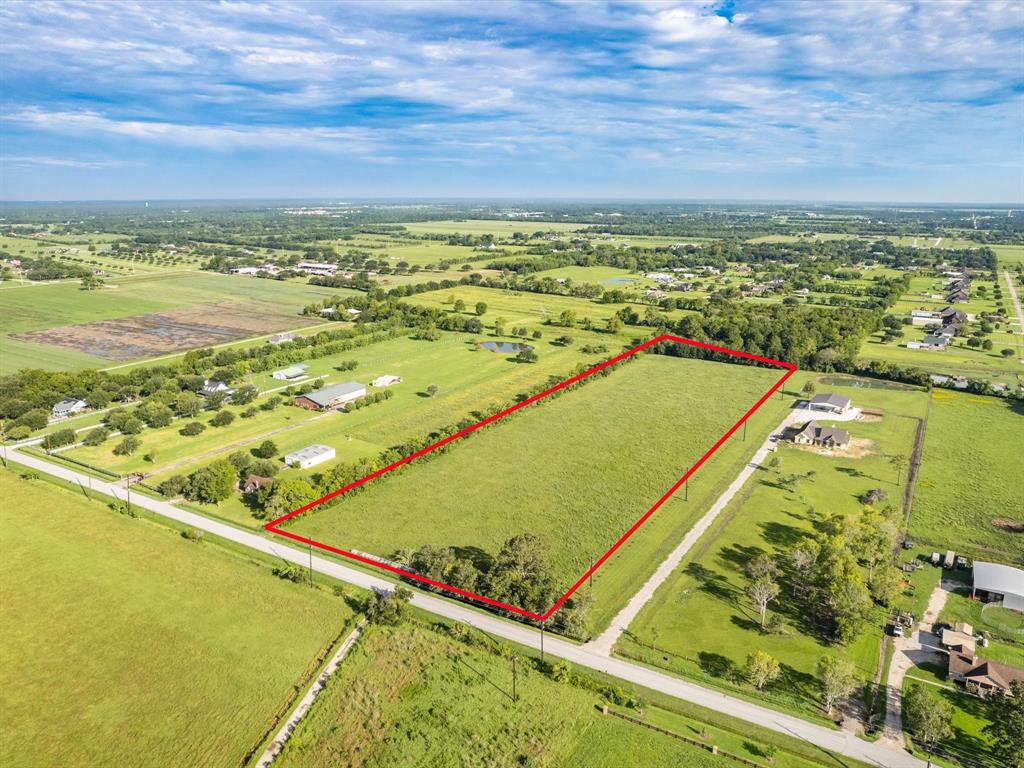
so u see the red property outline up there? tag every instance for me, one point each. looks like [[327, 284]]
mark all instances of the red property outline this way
[[273, 525]]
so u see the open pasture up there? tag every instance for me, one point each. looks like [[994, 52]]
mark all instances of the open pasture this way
[[443, 700], [125, 644], [496, 227], [972, 473], [575, 471]]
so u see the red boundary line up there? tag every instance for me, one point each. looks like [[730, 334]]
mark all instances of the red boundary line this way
[[272, 526]]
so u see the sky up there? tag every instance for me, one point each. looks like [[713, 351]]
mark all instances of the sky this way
[[828, 101]]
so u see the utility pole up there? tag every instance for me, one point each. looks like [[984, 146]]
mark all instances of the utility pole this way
[[686, 490], [515, 696], [542, 641], [744, 431], [128, 487], [310, 565]]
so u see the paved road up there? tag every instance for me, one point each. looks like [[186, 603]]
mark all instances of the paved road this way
[[834, 741], [1015, 300]]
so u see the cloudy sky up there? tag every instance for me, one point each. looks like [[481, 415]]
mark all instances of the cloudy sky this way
[[867, 100]]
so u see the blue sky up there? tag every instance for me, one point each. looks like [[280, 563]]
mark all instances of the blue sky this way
[[879, 101]]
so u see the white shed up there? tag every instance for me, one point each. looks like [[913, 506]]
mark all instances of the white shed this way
[[309, 456], [995, 583]]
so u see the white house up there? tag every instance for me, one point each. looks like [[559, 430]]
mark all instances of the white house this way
[[68, 406], [213, 386], [245, 270], [291, 372], [386, 381], [309, 456], [281, 338]]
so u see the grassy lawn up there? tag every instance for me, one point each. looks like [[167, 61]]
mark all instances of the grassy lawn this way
[[971, 473], [700, 620], [125, 644], [576, 471], [448, 703], [970, 716], [34, 307], [1009, 255]]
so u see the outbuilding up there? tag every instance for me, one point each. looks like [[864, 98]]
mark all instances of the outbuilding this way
[[291, 372], [332, 397], [830, 403], [386, 380], [309, 456], [997, 583]]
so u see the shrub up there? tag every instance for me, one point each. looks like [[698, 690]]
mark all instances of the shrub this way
[[222, 419], [59, 438], [96, 436], [192, 429], [265, 450]]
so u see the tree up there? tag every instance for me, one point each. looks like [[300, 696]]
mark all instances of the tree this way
[[761, 669], [804, 557], [615, 324], [898, 460], [526, 355], [1006, 352], [188, 404], [460, 305], [761, 566], [391, 608], [214, 483], [1007, 726], [265, 450], [521, 574], [499, 326], [567, 318], [192, 429], [927, 716], [838, 680], [91, 282], [287, 495], [808, 388], [761, 592], [481, 308], [59, 438], [96, 436], [432, 390], [128, 446]]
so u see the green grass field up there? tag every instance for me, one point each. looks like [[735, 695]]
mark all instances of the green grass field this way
[[1009, 255], [125, 644], [767, 517], [496, 227], [972, 472], [444, 703], [576, 471], [40, 306]]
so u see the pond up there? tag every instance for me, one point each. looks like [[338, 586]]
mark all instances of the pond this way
[[620, 280], [505, 347]]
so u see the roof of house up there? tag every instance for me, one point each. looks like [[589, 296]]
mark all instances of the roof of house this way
[[830, 398], [294, 370], [70, 401], [309, 452], [252, 482], [995, 577], [816, 432], [953, 638], [327, 395], [984, 671]]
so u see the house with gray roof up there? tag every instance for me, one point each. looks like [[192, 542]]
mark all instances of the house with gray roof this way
[[826, 437], [830, 403]]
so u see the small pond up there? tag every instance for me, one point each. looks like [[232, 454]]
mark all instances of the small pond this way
[[620, 280], [505, 347]]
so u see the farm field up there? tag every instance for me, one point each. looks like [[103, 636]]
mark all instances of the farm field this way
[[148, 649], [468, 379], [574, 471], [442, 700], [75, 250], [972, 473], [771, 515], [496, 227], [54, 306], [1009, 255]]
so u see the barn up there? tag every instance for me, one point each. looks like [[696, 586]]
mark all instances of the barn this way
[[334, 396], [997, 583]]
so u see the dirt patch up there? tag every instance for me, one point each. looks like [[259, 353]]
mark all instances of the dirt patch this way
[[858, 448], [161, 333], [870, 415], [1010, 526]]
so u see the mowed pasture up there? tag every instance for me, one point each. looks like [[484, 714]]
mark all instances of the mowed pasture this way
[[700, 623], [496, 227], [41, 307], [125, 644], [972, 473], [450, 704], [576, 470]]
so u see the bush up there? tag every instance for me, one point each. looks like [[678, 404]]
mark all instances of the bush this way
[[59, 438], [290, 573], [222, 419], [265, 450], [192, 534], [192, 429], [19, 432], [248, 413], [128, 446], [96, 436], [35, 419], [173, 486]]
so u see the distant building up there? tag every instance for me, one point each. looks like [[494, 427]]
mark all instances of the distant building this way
[[829, 403], [67, 407], [291, 372], [332, 397], [386, 381], [213, 386], [997, 583], [825, 437], [281, 338], [245, 270], [316, 268], [309, 456]]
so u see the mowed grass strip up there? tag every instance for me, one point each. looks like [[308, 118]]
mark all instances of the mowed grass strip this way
[[972, 473], [125, 644], [412, 696], [576, 470]]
